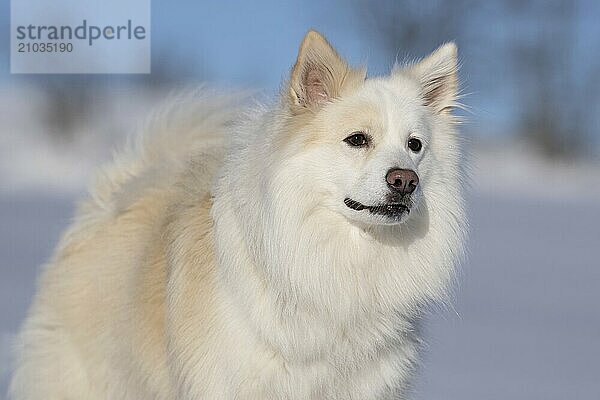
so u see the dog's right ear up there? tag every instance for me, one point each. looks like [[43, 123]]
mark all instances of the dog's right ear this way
[[319, 74]]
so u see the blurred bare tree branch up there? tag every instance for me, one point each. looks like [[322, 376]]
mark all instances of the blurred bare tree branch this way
[[556, 92], [415, 27]]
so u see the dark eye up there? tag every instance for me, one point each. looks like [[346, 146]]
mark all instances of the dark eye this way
[[357, 139], [415, 145]]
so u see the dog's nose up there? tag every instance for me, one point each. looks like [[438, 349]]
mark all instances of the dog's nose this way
[[403, 181]]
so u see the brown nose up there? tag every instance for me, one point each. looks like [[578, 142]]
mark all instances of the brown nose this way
[[403, 181]]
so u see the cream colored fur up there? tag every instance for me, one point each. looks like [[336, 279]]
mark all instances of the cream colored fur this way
[[216, 259]]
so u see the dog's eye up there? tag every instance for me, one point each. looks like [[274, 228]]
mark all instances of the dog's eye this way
[[415, 145], [357, 139]]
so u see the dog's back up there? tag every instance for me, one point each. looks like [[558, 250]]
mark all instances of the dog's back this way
[[103, 293]]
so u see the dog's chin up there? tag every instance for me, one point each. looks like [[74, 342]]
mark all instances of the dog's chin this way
[[378, 214]]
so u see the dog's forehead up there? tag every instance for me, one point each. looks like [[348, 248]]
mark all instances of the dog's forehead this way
[[396, 98]]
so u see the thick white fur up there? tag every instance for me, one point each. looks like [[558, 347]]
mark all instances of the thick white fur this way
[[208, 268]]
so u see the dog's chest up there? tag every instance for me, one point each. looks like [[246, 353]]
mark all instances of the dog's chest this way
[[350, 365]]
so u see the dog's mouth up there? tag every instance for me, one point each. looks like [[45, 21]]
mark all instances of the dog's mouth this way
[[389, 209]]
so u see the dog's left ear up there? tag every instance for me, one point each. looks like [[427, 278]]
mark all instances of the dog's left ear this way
[[438, 75], [319, 74]]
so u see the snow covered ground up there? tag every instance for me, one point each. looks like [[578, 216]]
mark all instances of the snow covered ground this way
[[526, 323]]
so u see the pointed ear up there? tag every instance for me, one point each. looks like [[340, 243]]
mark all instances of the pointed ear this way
[[438, 75], [319, 74]]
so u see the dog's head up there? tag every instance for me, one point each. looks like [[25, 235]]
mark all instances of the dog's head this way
[[347, 179], [370, 149]]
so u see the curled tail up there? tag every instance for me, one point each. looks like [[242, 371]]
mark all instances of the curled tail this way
[[188, 124]]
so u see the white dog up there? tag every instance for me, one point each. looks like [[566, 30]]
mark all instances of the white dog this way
[[291, 261]]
